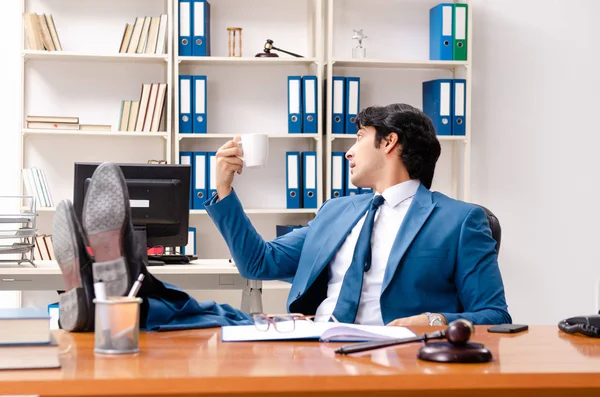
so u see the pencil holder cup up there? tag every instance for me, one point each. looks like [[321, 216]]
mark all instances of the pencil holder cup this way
[[117, 325]]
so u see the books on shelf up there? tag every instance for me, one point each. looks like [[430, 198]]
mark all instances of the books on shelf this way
[[53, 119], [63, 123], [41, 33], [36, 185], [147, 35], [44, 250], [144, 114]]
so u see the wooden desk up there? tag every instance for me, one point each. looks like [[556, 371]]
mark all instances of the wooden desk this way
[[197, 363]]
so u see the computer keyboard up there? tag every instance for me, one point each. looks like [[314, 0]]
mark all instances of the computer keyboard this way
[[170, 259]]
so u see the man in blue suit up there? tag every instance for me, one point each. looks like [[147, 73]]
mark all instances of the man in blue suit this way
[[401, 256]]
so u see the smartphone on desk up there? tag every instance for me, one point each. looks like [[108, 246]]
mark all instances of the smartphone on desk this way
[[508, 328]]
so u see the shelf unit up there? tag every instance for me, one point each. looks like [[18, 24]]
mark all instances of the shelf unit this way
[[246, 61], [78, 56], [237, 83], [249, 211], [90, 48], [27, 131], [249, 72], [460, 146]]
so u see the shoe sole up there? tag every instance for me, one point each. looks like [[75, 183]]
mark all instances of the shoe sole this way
[[74, 310], [104, 216]]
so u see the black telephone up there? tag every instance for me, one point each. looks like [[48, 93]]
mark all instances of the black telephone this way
[[586, 325]]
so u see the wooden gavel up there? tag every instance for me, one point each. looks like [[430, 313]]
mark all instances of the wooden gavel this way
[[458, 334]]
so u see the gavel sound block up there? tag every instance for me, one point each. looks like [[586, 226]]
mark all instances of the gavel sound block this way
[[456, 348]]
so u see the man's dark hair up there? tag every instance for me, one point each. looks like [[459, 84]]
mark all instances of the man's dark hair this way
[[416, 134]]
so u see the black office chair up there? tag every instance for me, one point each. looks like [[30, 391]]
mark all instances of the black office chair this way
[[494, 225]]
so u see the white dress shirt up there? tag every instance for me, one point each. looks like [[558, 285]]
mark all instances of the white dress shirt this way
[[388, 219]]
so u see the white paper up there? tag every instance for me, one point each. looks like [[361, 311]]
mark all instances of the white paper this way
[[316, 331]]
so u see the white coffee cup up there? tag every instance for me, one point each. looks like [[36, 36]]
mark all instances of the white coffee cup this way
[[255, 148]]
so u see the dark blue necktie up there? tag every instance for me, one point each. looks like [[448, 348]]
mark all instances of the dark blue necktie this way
[[347, 303]]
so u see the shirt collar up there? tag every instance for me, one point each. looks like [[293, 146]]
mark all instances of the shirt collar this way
[[394, 195]]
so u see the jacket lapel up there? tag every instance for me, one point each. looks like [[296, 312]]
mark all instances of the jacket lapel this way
[[342, 226], [415, 218]]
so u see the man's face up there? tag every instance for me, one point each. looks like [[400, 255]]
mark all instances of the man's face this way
[[365, 159]]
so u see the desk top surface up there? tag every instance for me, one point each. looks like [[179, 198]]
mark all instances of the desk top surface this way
[[187, 362], [200, 266]]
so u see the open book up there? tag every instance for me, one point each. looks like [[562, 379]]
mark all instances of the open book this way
[[317, 331]]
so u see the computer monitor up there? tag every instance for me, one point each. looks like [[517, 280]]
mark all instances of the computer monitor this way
[[159, 196]]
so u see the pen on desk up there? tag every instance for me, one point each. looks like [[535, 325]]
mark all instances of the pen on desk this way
[[100, 290], [136, 286]]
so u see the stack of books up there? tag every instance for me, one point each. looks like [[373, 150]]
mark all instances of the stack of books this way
[[26, 340], [62, 123]]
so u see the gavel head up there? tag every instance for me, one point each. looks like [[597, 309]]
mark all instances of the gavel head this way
[[268, 46], [459, 332]]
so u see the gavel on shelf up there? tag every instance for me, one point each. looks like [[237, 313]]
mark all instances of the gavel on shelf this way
[[457, 347]]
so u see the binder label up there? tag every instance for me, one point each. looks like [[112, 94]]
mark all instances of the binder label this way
[[445, 99], [184, 15], [198, 19], [311, 172], [200, 100], [353, 98], [338, 94], [200, 173], [461, 23], [293, 172], [213, 172], [294, 96], [337, 181], [309, 94], [447, 21], [459, 99], [186, 95]]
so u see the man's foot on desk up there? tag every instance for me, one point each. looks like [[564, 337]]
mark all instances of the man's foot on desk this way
[[107, 220], [104, 218], [76, 304]]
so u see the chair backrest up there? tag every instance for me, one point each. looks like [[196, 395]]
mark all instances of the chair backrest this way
[[494, 225]]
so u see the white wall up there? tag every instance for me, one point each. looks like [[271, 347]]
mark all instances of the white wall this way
[[534, 145], [535, 149], [10, 109]]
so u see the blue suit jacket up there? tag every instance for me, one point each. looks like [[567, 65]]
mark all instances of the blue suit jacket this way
[[444, 258]]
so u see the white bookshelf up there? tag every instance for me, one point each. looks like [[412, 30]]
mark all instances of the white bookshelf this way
[[245, 94], [88, 79], [396, 64], [249, 211], [27, 131], [231, 136], [247, 60], [78, 56], [248, 95]]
